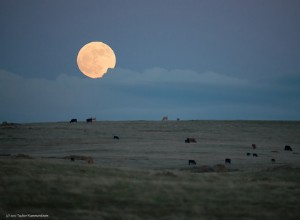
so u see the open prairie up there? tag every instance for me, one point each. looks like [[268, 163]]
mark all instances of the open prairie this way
[[145, 173]]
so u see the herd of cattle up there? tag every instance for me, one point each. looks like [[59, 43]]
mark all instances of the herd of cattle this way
[[190, 140], [88, 120], [228, 160]]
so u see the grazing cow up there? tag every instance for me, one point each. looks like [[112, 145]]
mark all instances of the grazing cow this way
[[254, 155], [254, 146], [116, 137], [190, 140], [89, 120], [227, 161], [72, 158], [273, 160], [248, 154], [73, 120], [193, 162], [288, 148]]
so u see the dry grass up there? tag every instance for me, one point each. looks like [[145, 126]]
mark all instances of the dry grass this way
[[145, 174], [81, 191]]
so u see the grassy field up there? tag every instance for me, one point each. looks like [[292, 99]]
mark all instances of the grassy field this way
[[64, 190], [159, 145], [145, 174]]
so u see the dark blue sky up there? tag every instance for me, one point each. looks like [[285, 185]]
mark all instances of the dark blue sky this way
[[191, 59]]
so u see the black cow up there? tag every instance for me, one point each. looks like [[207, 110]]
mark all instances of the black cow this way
[[89, 120], [73, 120], [254, 146], [227, 161], [116, 137], [273, 160], [190, 140], [254, 155], [288, 148], [248, 154], [193, 162]]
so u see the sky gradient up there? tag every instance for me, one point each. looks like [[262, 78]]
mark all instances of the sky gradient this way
[[187, 59]]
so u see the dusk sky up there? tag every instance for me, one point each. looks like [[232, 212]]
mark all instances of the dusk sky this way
[[187, 59]]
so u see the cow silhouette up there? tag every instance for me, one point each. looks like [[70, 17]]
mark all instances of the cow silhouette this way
[[288, 148], [254, 146], [190, 140], [73, 120], [89, 120], [193, 162], [116, 137], [254, 155], [227, 161]]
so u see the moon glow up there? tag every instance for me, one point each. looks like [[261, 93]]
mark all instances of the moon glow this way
[[95, 58]]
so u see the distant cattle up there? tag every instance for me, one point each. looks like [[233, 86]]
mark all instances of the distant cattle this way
[[288, 148], [88, 159], [190, 140], [254, 146], [228, 161], [254, 155], [89, 120], [7, 125], [273, 160], [193, 162], [116, 137], [248, 154], [165, 118], [73, 120]]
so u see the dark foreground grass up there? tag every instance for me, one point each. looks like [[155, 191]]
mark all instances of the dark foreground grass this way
[[78, 191]]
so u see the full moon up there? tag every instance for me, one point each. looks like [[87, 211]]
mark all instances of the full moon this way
[[95, 58]]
